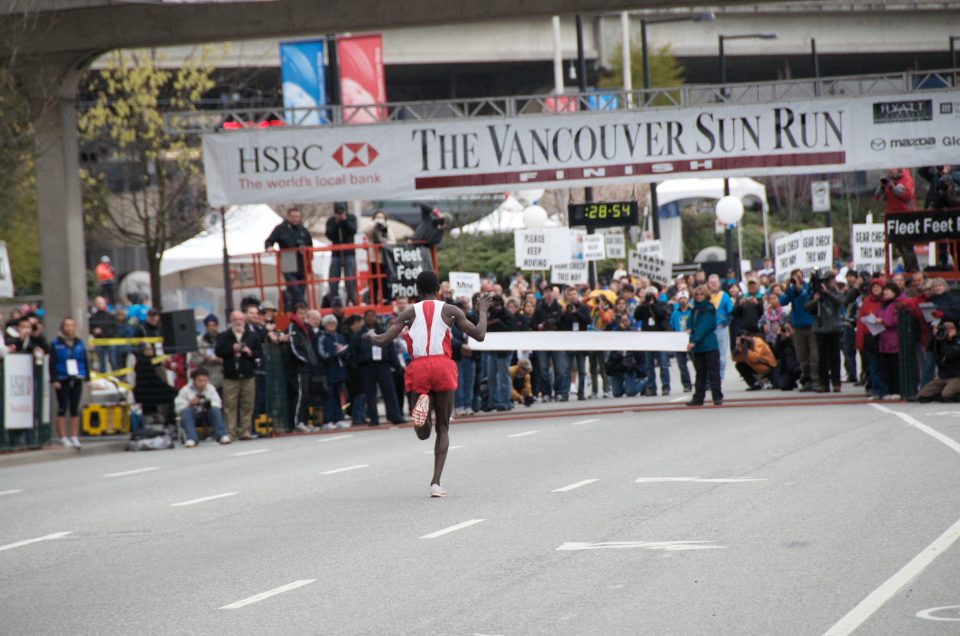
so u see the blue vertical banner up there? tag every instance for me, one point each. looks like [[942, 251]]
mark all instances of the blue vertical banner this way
[[302, 74]]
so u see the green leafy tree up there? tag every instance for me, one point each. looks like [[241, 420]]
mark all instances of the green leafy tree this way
[[160, 199], [665, 70]]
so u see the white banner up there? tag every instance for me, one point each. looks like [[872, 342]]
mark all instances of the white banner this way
[[530, 249], [18, 391], [650, 248], [653, 267], [806, 250], [570, 274], [582, 341], [464, 284], [593, 248], [429, 159], [867, 243], [616, 246]]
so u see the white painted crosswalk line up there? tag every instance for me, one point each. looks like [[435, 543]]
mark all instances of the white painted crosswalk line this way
[[524, 434], [582, 422], [585, 482], [459, 526], [203, 499], [667, 546], [135, 471], [10, 492], [46, 537], [343, 470], [265, 595], [696, 480], [251, 452]]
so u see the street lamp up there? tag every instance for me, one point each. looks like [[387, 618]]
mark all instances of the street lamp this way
[[703, 16], [728, 238], [729, 212]]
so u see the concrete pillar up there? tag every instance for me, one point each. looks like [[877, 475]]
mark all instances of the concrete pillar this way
[[59, 203]]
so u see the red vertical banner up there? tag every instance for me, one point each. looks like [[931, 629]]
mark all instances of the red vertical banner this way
[[361, 78]]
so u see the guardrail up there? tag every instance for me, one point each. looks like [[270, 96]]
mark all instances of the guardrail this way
[[887, 84]]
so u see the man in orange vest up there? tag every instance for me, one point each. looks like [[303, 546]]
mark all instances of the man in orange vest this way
[[106, 276]]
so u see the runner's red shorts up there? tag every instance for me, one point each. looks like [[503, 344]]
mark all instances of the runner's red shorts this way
[[436, 373]]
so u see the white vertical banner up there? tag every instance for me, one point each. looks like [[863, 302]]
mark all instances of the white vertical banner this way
[[464, 284], [820, 196], [867, 246], [18, 391], [614, 243], [577, 238], [593, 247]]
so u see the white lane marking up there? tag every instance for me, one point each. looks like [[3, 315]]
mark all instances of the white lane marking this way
[[937, 435], [865, 608], [679, 399], [333, 438], [575, 486], [203, 499], [343, 470], [10, 492], [459, 526], [251, 452], [524, 434], [697, 480], [953, 413], [135, 471], [430, 452], [264, 595], [582, 422], [46, 537], [668, 546], [928, 613]]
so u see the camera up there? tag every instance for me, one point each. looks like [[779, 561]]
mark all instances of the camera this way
[[817, 281], [202, 406]]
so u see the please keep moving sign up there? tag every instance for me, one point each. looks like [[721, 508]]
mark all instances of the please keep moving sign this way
[[806, 250]]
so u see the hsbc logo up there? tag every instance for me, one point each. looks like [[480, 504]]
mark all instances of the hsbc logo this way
[[355, 155]]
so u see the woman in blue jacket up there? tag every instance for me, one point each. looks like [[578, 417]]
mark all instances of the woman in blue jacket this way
[[333, 350], [705, 348], [69, 368]]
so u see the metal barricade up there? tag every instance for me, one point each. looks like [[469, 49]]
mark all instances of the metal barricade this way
[[909, 334]]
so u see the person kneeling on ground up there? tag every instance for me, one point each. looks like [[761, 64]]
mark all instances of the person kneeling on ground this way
[[200, 399], [520, 381], [754, 360], [946, 348]]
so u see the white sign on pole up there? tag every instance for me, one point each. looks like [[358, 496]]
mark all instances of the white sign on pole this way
[[806, 250], [867, 245], [530, 249], [570, 274], [593, 248], [820, 195], [413, 160], [615, 245], [577, 238], [653, 267], [650, 248], [18, 391], [464, 284]]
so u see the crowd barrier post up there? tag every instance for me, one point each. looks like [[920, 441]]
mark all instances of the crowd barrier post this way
[[909, 334]]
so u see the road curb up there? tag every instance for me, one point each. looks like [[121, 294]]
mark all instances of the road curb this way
[[56, 453]]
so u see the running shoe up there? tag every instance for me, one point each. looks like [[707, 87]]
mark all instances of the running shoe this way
[[76, 442], [421, 410], [437, 490]]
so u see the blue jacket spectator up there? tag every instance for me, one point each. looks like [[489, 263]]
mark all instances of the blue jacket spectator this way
[[799, 316], [703, 327]]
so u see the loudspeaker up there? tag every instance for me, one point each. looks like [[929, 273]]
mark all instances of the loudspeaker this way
[[179, 329]]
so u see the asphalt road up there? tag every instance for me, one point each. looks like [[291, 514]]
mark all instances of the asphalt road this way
[[547, 529]]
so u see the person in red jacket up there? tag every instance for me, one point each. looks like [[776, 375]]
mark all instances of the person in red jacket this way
[[867, 343], [896, 190]]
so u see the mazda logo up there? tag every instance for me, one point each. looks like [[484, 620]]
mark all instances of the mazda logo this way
[[878, 144]]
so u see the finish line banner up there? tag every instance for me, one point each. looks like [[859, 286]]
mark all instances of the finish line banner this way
[[426, 159]]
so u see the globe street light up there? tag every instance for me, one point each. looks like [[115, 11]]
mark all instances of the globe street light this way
[[534, 217], [729, 212]]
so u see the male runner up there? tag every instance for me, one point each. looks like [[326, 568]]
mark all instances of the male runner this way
[[432, 373]]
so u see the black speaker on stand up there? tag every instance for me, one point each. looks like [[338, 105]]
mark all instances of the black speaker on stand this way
[[179, 329]]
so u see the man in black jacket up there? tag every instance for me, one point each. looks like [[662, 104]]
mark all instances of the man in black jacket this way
[[576, 317], [546, 317], [376, 367], [239, 348], [304, 358], [946, 348], [827, 328], [103, 324], [288, 235], [341, 230], [653, 315]]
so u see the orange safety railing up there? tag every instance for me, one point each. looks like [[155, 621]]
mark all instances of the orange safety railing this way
[[262, 274]]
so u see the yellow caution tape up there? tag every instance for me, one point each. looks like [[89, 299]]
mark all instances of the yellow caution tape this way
[[108, 342], [115, 372], [104, 376], [159, 359]]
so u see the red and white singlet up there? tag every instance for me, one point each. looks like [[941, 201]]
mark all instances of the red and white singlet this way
[[429, 344]]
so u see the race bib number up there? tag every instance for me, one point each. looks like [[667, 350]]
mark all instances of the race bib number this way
[[73, 369], [377, 354]]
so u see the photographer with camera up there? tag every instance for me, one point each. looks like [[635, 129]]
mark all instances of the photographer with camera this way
[[896, 190], [546, 317], [946, 347], [341, 230], [753, 359], [653, 315], [944, 191], [199, 399], [825, 306], [805, 343], [576, 317], [430, 230]]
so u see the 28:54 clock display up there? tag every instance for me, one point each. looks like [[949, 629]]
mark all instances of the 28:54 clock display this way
[[603, 214]]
